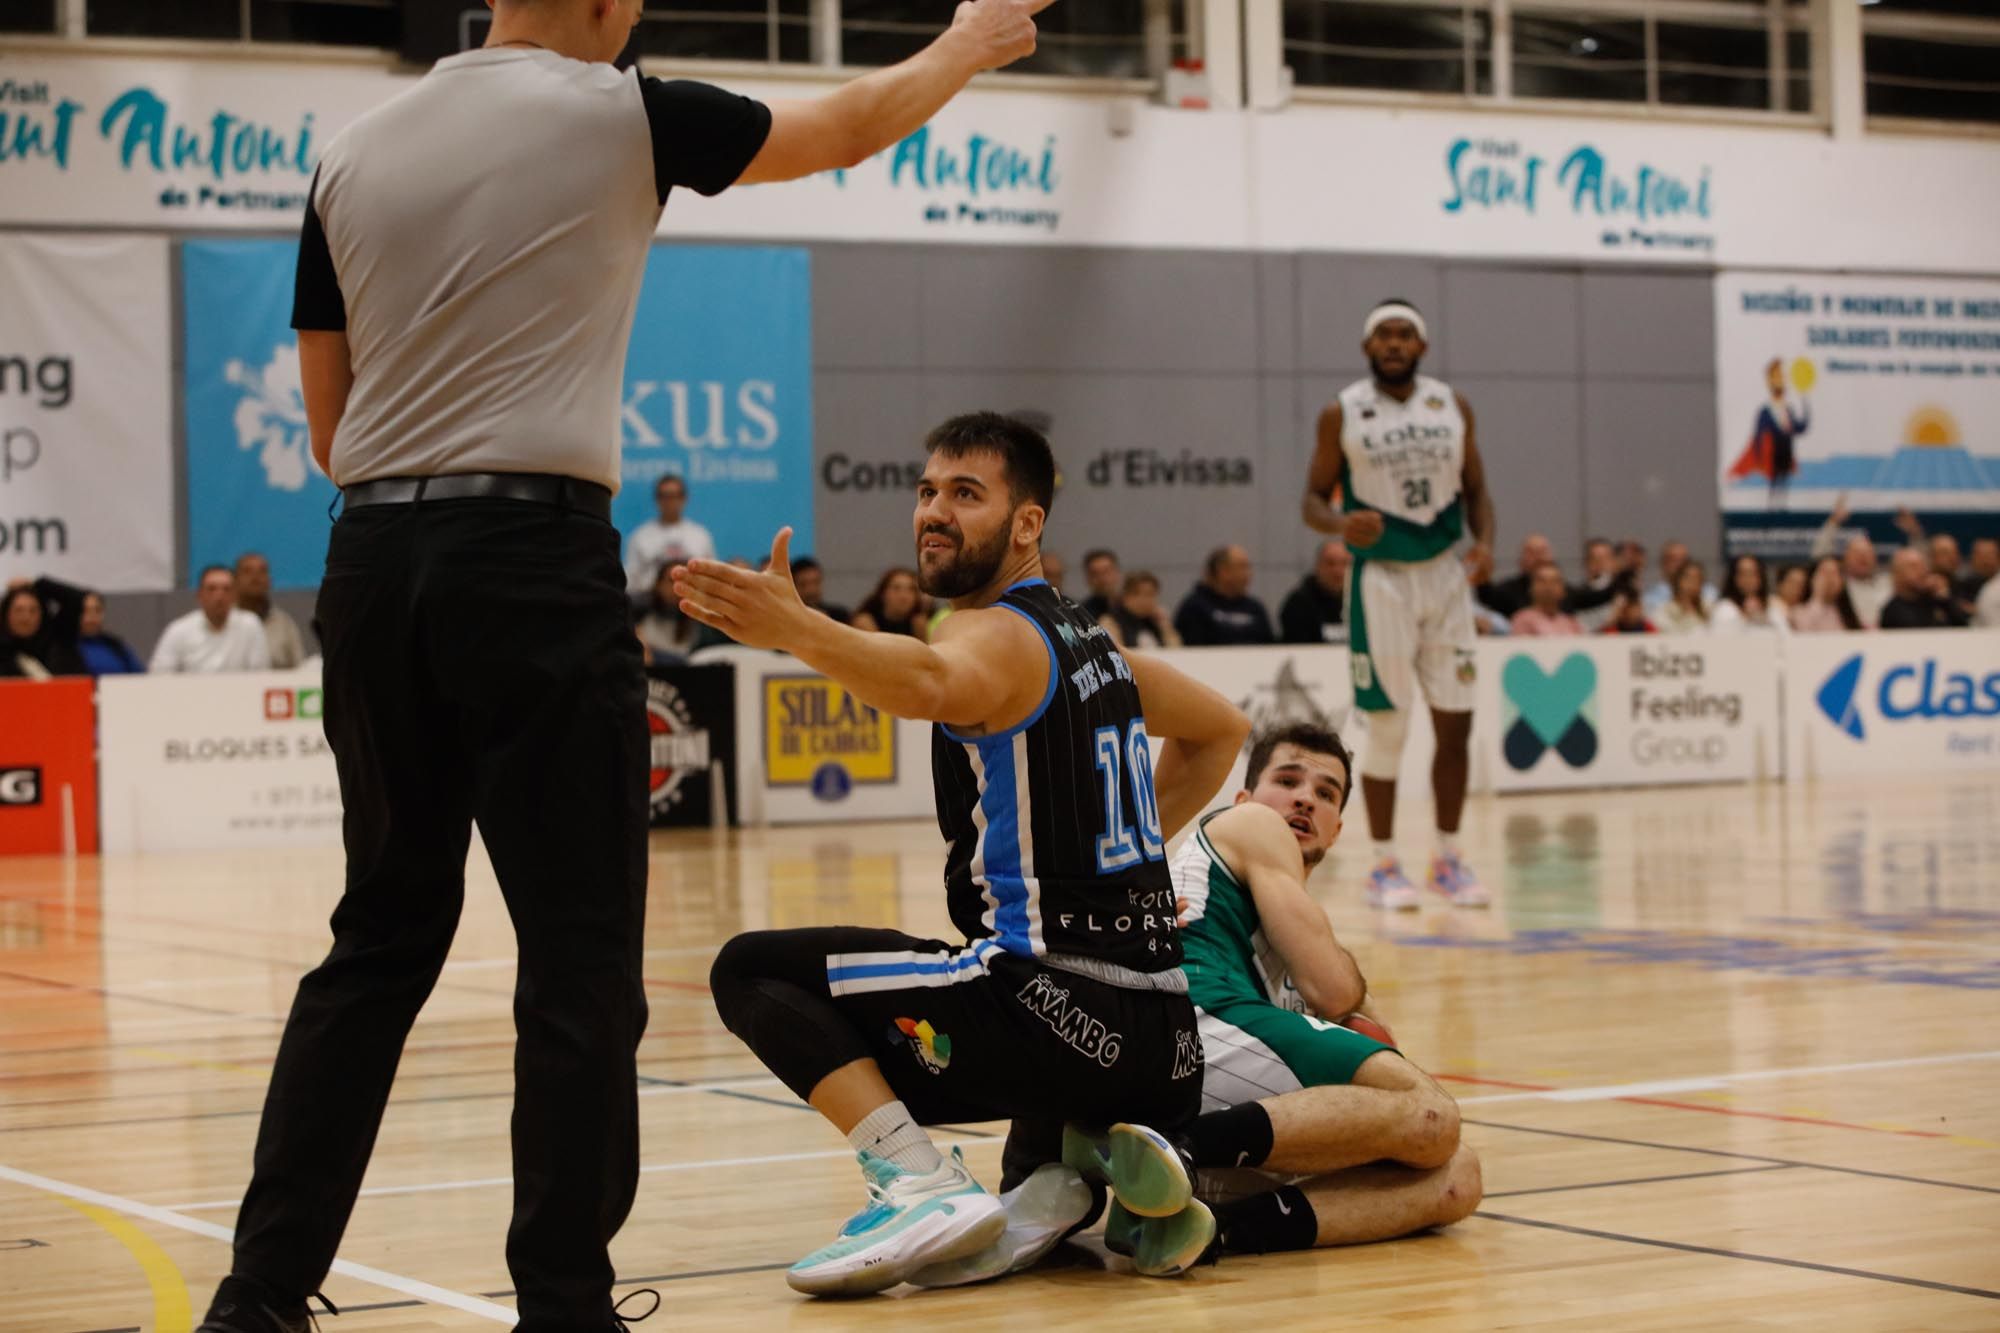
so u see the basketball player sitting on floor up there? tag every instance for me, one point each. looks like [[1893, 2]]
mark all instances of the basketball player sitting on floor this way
[[1312, 1133]]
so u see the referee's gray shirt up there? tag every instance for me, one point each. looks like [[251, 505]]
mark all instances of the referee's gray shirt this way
[[481, 238]]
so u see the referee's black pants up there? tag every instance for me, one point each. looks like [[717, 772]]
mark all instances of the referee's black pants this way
[[479, 668]]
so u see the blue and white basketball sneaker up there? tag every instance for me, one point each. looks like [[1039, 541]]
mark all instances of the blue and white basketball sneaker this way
[[1389, 887], [912, 1221]]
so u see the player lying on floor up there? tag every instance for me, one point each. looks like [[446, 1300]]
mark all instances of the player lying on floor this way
[[1312, 1133]]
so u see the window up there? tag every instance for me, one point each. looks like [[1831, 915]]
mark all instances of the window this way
[[217, 19], [27, 15], [1563, 55], [761, 30], [1091, 39], [326, 22], [1934, 79], [1405, 48]]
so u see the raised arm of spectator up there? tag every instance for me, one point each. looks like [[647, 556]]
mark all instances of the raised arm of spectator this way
[[861, 118], [1203, 733]]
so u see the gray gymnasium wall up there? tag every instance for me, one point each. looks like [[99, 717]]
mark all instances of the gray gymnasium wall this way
[[1593, 390]]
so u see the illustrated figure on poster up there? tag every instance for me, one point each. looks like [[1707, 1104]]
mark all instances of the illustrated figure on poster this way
[[1770, 453]]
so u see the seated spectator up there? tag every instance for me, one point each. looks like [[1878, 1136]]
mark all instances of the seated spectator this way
[[1869, 585], [810, 580], [1920, 600], [1794, 587], [253, 594], [1138, 620], [661, 543], [1628, 615], [1986, 607], [896, 607], [1053, 569], [217, 636], [1686, 612], [103, 654], [1632, 559], [1314, 612], [1592, 601], [667, 636], [1220, 609], [1544, 617], [1106, 582], [35, 645], [1746, 602], [1827, 609], [1512, 594], [1673, 557], [1982, 568]]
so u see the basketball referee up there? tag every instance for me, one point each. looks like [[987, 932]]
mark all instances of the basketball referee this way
[[468, 272]]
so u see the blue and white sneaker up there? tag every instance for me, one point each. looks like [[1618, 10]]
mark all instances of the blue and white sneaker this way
[[912, 1221], [1389, 887], [1044, 1210], [1451, 877]]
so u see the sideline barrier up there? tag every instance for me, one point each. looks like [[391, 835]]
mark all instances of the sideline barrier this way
[[218, 762], [201, 763], [48, 776]]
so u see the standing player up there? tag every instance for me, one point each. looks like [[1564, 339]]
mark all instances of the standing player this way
[[1398, 451], [1066, 1000], [1311, 1133]]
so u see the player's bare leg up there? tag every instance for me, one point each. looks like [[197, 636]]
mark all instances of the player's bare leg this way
[[1385, 1199], [1388, 886], [1450, 767], [1391, 1111]]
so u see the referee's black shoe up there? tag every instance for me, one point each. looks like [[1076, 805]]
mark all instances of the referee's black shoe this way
[[244, 1306]]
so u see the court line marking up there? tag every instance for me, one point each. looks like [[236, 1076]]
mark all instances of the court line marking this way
[[1737, 1156], [657, 1168], [173, 1309], [166, 1217], [1645, 1180], [1706, 1082], [1720, 1253], [646, 1280]]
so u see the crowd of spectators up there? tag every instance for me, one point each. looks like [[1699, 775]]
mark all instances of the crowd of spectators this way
[[49, 628]]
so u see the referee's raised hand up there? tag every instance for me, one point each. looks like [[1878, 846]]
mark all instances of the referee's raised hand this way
[[1003, 29]]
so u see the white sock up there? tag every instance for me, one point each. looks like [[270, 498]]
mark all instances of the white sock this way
[[1447, 844], [1384, 851], [890, 1133]]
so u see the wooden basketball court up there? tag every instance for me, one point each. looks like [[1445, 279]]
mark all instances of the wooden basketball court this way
[[1731, 1057]]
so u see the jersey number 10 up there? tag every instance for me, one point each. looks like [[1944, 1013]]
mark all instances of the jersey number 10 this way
[[1121, 759]]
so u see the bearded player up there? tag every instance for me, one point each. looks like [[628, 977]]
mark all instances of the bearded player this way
[[1312, 1133], [1397, 452]]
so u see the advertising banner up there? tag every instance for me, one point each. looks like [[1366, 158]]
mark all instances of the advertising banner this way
[[1627, 710], [1858, 396], [48, 771], [691, 725], [718, 389], [86, 455], [204, 763], [1881, 704]]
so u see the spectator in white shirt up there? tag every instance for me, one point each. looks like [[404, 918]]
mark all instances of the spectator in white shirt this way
[[1686, 612], [1986, 608], [253, 594], [663, 542], [218, 637], [1869, 585], [1746, 602]]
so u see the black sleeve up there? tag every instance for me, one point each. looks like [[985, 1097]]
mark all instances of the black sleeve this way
[[62, 606], [316, 299], [703, 137], [1583, 597]]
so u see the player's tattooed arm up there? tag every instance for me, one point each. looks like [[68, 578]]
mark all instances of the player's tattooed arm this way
[[1478, 502], [1203, 733], [1259, 847]]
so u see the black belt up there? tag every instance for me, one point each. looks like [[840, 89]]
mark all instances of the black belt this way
[[583, 497]]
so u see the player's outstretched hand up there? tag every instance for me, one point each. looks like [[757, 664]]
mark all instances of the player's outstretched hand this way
[[1362, 529], [1479, 564], [1002, 31], [758, 610]]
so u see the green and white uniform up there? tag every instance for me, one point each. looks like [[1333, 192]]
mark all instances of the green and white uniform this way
[[1410, 620], [1258, 1039]]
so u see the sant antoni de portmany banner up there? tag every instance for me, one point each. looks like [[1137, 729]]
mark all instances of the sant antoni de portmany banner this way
[[1880, 392], [86, 450]]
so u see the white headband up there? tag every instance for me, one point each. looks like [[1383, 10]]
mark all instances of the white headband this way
[[1389, 310]]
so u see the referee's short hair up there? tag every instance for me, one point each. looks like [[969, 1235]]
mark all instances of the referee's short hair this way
[[1024, 452]]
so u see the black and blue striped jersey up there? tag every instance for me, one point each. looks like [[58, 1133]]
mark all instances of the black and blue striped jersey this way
[[1056, 848]]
